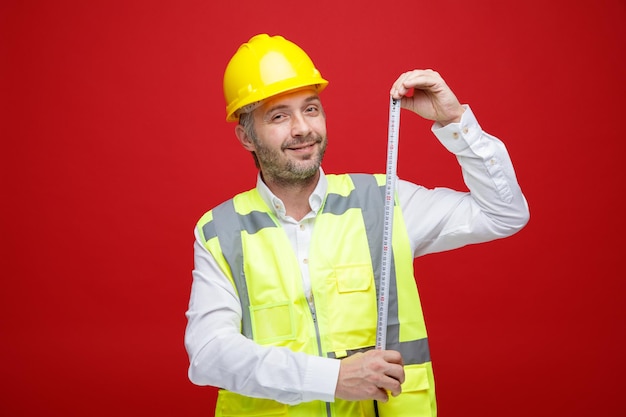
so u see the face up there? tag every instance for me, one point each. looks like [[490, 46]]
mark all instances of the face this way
[[289, 137]]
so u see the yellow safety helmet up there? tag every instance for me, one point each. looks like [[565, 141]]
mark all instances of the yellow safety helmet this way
[[263, 67]]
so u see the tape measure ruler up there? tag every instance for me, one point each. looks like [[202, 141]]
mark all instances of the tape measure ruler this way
[[390, 189]]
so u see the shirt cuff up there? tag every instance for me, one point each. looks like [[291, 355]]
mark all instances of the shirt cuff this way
[[457, 137], [320, 381]]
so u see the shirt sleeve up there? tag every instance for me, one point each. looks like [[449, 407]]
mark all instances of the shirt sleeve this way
[[442, 219], [221, 356]]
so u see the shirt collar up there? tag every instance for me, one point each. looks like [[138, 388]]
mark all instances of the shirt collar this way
[[276, 205]]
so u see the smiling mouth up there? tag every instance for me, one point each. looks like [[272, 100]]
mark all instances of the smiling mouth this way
[[301, 146], [297, 148]]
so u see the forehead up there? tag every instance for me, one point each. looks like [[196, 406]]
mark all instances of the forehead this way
[[294, 98]]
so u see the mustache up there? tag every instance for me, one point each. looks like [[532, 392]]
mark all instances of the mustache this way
[[309, 139]]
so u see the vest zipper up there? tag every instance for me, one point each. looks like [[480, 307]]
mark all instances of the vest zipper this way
[[317, 329], [319, 343]]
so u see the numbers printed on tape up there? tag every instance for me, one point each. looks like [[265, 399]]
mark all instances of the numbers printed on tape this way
[[390, 189]]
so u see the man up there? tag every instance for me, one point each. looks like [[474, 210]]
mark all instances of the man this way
[[283, 308]]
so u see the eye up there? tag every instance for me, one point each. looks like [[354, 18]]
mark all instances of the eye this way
[[311, 109], [277, 117]]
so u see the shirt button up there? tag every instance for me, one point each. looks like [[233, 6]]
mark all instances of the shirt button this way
[[301, 227], [465, 130], [305, 260], [455, 135]]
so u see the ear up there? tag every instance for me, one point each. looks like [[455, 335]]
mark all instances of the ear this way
[[244, 139]]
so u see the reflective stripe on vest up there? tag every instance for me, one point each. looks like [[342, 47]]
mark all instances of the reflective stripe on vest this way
[[227, 226]]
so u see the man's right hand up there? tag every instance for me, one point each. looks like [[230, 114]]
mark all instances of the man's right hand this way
[[372, 375]]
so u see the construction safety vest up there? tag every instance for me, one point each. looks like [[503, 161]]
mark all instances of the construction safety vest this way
[[344, 261]]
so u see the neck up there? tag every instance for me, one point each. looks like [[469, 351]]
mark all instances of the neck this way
[[294, 194]]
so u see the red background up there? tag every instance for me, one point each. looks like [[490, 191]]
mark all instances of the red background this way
[[114, 143]]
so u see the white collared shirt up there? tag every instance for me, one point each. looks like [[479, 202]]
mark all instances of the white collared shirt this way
[[298, 232]]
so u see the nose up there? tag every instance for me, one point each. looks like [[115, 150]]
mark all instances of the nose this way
[[300, 125]]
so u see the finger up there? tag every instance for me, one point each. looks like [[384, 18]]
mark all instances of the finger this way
[[398, 89], [422, 76], [391, 386], [381, 395], [393, 356], [416, 80], [396, 372]]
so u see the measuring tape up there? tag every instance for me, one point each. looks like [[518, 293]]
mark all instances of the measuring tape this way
[[390, 189]]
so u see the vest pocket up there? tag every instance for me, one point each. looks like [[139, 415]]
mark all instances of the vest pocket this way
[[230, 404], [415, 400], [353, 278], [272, 323], [351, 307]]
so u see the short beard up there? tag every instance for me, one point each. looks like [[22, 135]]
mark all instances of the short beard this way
[[291, 174]]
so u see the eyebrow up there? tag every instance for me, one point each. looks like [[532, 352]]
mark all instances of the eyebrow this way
[[313, 97]]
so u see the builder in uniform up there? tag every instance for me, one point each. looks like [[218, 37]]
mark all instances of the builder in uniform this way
[[283, 308]]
